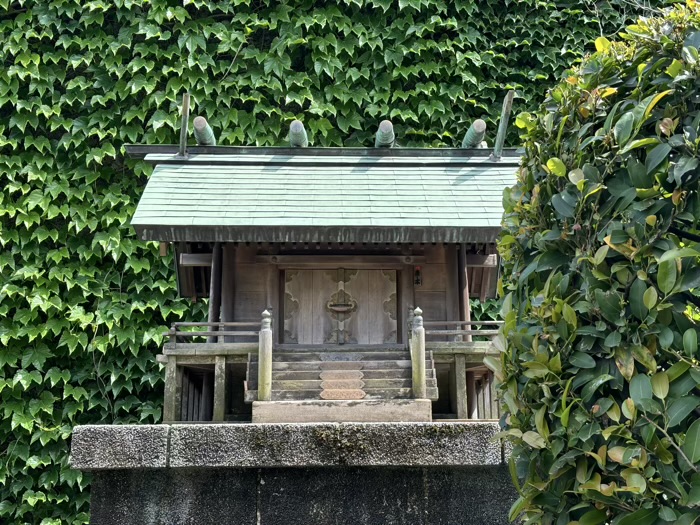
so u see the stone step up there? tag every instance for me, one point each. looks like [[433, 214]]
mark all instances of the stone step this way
[[338, 365], [334, 411], [330, 347], [369, 393], [363, 384], [336, 356], [394, 373]]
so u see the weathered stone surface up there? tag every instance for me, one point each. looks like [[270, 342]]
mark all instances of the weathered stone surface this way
[[341, 365], [341, 374], [286, 445], [303, 496], [342, 394], [334, 444], [174, 497], [343, 410], [119, 446], [343, 384]]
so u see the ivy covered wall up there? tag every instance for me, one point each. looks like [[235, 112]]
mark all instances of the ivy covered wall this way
[[82, 303]]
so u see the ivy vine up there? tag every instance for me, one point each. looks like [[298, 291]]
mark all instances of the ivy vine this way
[[82, 302]]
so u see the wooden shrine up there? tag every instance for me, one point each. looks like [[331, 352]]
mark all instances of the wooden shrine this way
[[338, 280]]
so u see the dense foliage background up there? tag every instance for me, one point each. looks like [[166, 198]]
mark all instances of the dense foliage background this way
[[81, 300], [600, 371]]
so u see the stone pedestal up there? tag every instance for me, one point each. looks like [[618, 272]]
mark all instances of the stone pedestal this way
[[288, 474]]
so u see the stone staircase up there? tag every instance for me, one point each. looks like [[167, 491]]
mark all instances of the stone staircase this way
[[341, 379]]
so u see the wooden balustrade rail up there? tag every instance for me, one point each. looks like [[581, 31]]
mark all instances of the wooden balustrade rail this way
[[216, 329]]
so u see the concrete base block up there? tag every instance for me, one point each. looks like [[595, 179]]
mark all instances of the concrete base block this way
[[337, 411]]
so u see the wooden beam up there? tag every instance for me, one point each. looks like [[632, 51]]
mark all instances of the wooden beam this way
[[385, 262], [195, 259], [208, 360], [440, 347], [461, 387], [209, 349], [219, 411], [487, 261]]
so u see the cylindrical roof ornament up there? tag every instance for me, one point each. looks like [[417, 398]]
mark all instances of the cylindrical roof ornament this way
[[385, 137], [297, 135], [203, 132], [475, 134]]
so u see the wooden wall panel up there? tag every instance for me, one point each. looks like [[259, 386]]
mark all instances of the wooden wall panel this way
[[434, 277], [432, 304]]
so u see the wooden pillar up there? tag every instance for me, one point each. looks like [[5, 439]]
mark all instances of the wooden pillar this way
[[480, 393], [486, 388], [452, 285], [205, 404], [173, 391], [215, 290], [185, 414], [472, 410], [495, 408], [461, 386], [265, 359], [418, 355], [228, 273], [219, 411], [465, 308]]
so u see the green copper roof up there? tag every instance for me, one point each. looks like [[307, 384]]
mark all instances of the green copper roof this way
[[302, 197]]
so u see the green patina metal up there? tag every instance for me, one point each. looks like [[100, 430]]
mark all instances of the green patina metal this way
[[263, 196], [385, 137], [203, 132], [475, 134], [297, 135]]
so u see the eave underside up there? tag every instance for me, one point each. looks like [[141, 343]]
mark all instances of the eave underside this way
[[310, 234]]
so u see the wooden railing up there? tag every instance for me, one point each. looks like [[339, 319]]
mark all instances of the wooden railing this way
[[211, 338], [209, 346], [459, 333], [218, 331], [176, 334], [462, 345]]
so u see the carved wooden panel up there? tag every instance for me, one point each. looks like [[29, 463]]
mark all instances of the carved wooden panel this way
[[340, 306]]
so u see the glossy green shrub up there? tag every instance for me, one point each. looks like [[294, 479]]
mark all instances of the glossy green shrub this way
[[600, 366], [82, 302]]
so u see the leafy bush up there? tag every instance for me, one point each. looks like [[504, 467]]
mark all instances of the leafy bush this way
[[81, 300], [600, 366]]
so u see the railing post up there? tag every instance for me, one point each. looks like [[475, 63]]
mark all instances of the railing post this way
[[265, 358], [418, 355], [409, 325]]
